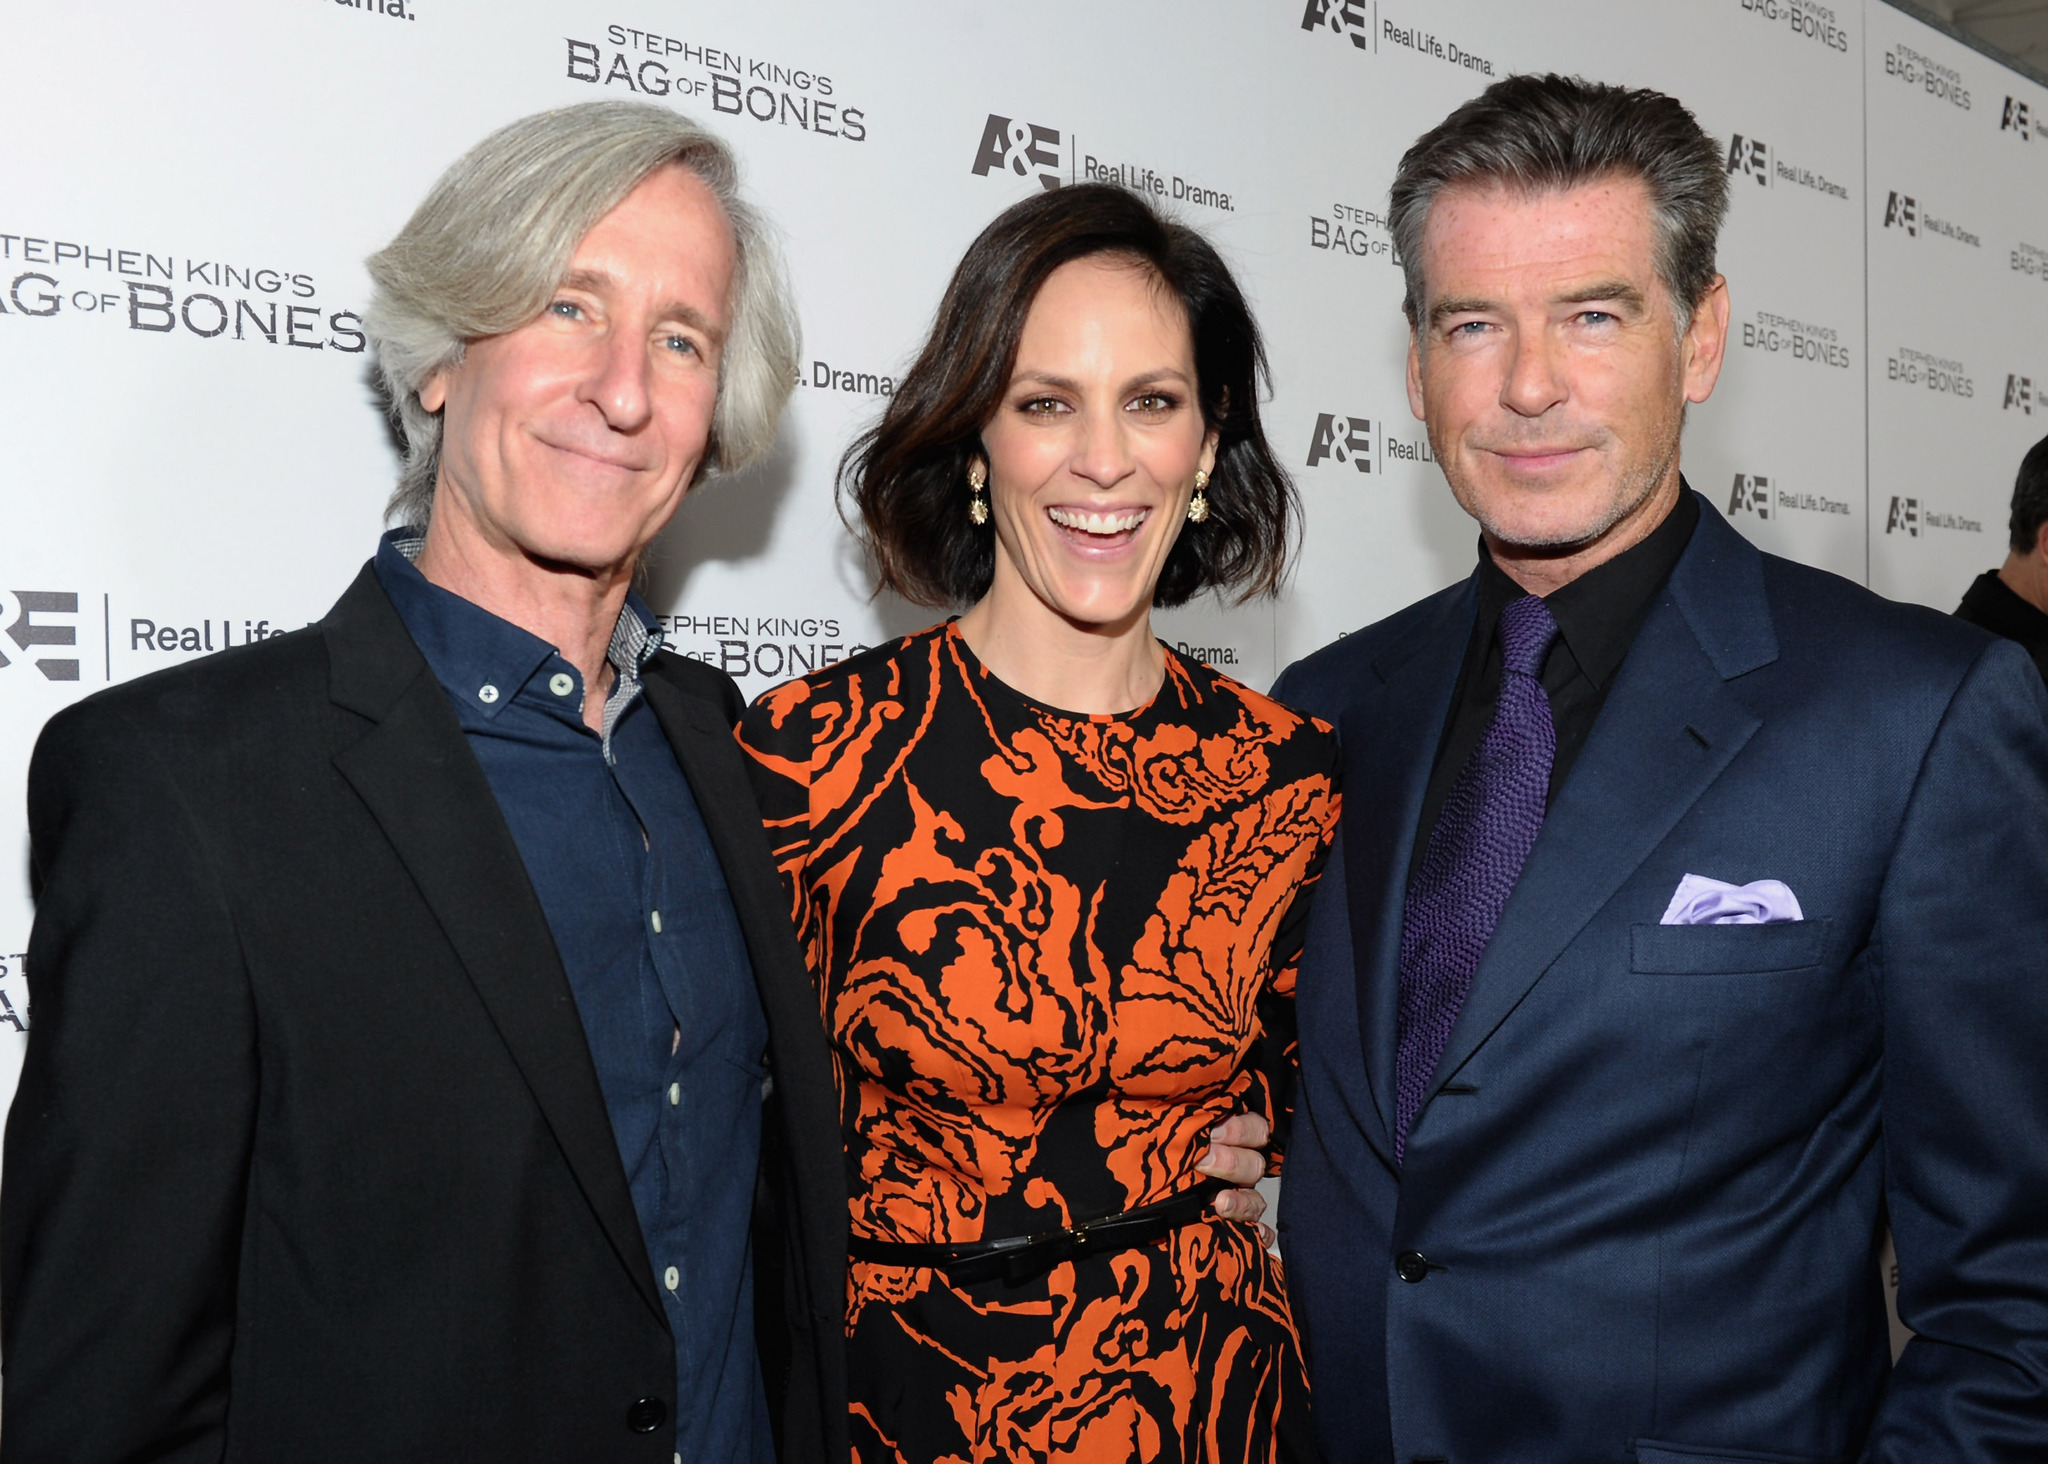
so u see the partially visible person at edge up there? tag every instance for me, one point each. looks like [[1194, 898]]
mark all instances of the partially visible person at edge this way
[[404, 984], [2012, 600], [1051, 875], [1689, 915]]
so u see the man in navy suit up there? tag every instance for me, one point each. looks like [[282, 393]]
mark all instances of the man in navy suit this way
[[1689, 917]]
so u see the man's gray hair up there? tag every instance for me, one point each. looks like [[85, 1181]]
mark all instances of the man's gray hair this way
[[1535, 134], [492, 240]]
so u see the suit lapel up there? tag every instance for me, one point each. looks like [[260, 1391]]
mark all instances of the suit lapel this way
[[1669, 727], [710, 758], [416, 774], [801, 1058], [1390, 736]]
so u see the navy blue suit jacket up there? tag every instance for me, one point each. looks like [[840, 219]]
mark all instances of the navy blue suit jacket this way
[[1654, 1169]]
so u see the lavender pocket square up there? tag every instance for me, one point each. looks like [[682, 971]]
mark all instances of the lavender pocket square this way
[[1702, 901]]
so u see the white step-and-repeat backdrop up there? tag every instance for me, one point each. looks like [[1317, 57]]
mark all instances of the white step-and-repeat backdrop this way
[[194, 458]]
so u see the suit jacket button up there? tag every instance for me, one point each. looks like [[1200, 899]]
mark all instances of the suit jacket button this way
[[646, 1415], [1411, 1266]]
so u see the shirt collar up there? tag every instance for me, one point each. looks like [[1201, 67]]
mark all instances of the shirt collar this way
[[636, 636], [1597, 613], [483, 659]]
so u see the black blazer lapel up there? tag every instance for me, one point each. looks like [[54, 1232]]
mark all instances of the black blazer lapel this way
[[1669, 727], [697, 711], [415, 772], [705, 746], [1390, 736]]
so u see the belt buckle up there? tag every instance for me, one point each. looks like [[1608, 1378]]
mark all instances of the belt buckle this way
[[1035, 1255], [1081, 1236], [1018, 1259]]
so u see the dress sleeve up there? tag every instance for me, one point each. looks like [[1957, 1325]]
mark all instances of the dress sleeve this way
[[776, 743], [1277, 1053], [1288, 939]]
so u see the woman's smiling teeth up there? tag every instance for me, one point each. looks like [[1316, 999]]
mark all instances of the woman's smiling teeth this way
[[1103, 524]]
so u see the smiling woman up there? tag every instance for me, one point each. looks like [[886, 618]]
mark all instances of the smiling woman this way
[[1052, 877], [908, 476]]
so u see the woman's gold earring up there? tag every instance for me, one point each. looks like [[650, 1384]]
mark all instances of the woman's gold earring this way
[[977, 507], [1198, 506]]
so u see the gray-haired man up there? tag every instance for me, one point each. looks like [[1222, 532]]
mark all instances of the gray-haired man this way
[[405, 986]]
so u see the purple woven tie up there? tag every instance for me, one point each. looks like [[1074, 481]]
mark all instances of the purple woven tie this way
[[1482, 836]]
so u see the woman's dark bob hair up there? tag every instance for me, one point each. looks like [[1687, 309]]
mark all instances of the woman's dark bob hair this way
[[907, 475]]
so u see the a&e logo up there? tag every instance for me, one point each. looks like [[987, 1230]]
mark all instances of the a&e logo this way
[[1342, 439], [38, 618], [2014, 119], [1904, 517], [1901, 212], [2019, 392], [1023, 148], [1345, 17], [1751, 157], [1751, 493]]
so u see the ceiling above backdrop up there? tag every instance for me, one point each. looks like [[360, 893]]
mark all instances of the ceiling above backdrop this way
[[2018, 28]]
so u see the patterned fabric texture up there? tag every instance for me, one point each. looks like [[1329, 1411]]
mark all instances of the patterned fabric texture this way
[[1475, 856], [1054, 950]]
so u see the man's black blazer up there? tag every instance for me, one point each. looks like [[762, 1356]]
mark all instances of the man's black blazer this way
[[309, 1160]]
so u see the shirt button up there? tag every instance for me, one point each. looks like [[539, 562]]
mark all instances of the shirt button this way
[[561, 683], [487, 693], [675, 1094], [1411, 1266], [671, 1278], [657, 922]]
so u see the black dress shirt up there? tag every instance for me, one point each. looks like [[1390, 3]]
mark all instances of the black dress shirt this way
[[1998, 608], [1597, 617], [636, 899]]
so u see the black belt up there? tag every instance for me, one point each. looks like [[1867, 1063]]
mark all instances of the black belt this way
[[1022, 1257]]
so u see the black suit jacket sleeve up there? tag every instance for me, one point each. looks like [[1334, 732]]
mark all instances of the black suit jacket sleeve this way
[[128, 1142]]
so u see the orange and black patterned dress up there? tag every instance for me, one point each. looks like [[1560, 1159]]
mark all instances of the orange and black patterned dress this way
[[1053, 951]]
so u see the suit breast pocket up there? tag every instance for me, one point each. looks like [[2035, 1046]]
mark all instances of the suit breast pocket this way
[[1727, 950]]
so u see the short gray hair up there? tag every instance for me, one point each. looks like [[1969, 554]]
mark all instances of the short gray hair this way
[[492, 240], [1540, 133]]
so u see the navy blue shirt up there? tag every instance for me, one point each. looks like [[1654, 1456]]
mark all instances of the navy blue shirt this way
[[633, 891]]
